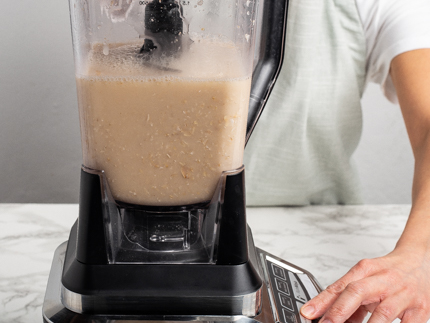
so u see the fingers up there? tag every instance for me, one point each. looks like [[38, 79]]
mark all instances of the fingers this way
[[390, 287], [390, 309], [413, 316], [358, 293], [320, 304], [398, 306], [371, 307], [358, 316]]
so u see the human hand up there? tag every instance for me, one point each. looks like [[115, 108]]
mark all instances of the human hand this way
[[394, 286]]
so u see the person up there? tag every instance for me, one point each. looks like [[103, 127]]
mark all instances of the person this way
[[300, 152]]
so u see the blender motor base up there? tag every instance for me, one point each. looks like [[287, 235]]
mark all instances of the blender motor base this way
[[286, 288]]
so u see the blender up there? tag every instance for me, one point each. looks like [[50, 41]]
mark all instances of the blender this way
[[169, 92]]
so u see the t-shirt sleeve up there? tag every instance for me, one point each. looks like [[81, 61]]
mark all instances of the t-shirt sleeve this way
[[392, 27]]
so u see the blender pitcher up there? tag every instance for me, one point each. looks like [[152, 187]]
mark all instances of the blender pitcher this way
[[164, 88]]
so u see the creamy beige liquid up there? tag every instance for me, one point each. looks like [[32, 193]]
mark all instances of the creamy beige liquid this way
[[163, 139]]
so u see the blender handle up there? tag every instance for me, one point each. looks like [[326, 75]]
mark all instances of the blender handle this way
[[270, 59]]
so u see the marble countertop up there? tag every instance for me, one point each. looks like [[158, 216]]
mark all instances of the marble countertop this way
[[325, 240]]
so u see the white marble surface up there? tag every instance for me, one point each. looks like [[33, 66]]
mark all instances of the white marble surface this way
[[326, 240]]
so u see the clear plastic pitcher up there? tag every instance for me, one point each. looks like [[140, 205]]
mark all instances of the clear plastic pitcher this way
[[163, 90]]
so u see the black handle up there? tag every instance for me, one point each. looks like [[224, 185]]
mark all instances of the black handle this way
[[266, 72]]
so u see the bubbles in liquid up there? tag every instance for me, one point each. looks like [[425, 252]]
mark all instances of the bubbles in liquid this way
[[106, 49]]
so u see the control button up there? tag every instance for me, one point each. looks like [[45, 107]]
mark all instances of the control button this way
[[299, 294], [286, 302], [302, 319], [278, 271], [289, 317], [282, 286]]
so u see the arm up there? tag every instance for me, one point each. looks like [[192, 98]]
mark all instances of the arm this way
[[398, 284], [411, 76]]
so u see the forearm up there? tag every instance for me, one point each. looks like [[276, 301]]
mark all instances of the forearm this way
[[417, 230], [411, 76]]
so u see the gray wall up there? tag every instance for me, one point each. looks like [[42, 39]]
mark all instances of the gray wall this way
[[40, 152], [39, 128]]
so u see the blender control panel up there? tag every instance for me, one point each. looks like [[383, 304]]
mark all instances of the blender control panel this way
[[289, 289]]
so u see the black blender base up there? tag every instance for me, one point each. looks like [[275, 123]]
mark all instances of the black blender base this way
[[161, 289], [286, 288]]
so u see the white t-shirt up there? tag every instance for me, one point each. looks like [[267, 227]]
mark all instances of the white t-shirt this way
[[392, 27], [301, 150]]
